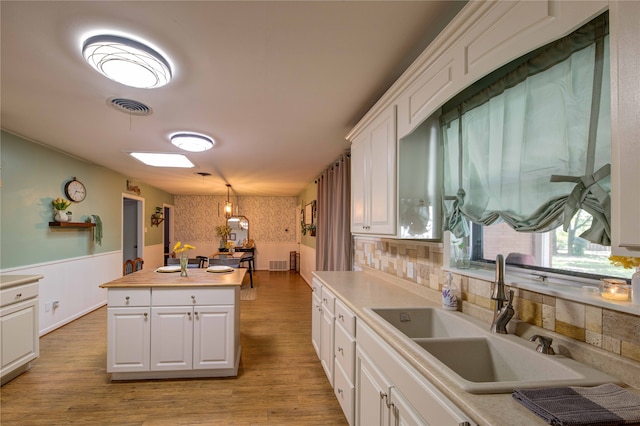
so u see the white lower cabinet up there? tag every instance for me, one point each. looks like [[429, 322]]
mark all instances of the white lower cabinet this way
[[389, 391], [172, 333], [327, 332], [129, 339], [316, 315], [19, 337]]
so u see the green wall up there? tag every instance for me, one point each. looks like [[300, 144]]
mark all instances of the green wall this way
[[308, 194], [32, 176]]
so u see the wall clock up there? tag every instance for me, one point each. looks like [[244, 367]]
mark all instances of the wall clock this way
[[75, 190]]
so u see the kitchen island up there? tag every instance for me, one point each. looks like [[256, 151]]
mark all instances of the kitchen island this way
[[161, 325]]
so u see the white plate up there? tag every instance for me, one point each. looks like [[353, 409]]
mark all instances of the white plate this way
[[170, 268], [219, 268]]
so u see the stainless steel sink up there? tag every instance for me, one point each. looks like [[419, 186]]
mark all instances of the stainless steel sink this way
[[482, 362]]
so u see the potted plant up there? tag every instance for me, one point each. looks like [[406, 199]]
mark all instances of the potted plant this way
[[158, 213]]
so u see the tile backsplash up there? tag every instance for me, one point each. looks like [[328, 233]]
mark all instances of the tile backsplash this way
[[612, 331]]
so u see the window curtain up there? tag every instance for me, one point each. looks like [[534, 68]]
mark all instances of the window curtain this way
[[530, 144], [333, 234]]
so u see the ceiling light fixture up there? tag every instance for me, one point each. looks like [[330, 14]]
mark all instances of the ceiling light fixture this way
[[163, 160], [127, 61], [192, 142], [228, 208]]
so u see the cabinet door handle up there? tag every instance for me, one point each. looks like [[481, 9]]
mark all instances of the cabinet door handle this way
[[196, 314], [189, 315], [340, 391], [340, 350], [145, 315]]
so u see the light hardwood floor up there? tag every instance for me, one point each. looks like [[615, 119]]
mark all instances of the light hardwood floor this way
[[280, 379]]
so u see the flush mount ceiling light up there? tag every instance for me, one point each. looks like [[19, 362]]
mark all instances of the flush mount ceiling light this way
[[192, 142], [127, 61], [163, 160]]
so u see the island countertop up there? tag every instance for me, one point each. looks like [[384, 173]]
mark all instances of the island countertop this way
[[197, 278]]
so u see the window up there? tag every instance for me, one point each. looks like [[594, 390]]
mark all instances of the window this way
[[527, 154], [555, 251]]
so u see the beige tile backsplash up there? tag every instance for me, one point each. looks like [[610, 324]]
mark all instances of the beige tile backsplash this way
[[611, 331]]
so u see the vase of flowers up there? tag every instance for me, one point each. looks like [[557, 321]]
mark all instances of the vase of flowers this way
[[183, 252], [59, 206], [223, 231]]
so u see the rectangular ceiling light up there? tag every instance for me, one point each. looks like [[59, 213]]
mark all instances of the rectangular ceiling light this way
[[163, 160]]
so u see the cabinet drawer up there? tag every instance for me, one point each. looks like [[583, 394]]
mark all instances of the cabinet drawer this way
[[316, 287], [345, 392], [328, 300], [345, 351], [129, 297], [345, 318], [193, 296], [18, 293]]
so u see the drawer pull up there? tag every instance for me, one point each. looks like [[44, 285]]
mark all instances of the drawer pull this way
[[18, 296], [340, 350], [341, 317], [340, 391]]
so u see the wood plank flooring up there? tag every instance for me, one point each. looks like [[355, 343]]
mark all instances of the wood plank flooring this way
[[280, 381]]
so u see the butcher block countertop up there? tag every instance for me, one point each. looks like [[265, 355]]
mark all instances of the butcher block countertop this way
[[197, 278]]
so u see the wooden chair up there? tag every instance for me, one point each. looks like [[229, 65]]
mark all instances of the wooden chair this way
[[233, 262], [137, 264], [249, 262], [128, 267]]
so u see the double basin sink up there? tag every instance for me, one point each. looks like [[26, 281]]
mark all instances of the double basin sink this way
[[480, 361]]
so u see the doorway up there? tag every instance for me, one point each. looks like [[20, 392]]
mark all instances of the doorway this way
[[167, 238], [132, 227]]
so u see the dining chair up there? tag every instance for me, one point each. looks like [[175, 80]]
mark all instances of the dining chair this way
[[233, 262], [249, 261], [128, 267], [137, 264]]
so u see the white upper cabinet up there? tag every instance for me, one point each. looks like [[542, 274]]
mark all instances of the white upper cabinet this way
[[373, 177], [625, 132]]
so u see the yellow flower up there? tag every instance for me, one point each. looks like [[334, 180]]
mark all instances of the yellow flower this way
[[182, 249], [626, 262]]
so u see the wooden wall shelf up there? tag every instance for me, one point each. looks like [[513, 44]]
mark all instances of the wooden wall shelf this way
[[71, 225]]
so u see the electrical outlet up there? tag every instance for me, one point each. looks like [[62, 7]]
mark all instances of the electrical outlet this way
[[409, 269], [47, 307]]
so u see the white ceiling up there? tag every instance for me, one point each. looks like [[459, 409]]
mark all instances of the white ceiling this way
[[278, 85]]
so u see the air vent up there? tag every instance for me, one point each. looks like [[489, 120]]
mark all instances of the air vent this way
[[129, 106]]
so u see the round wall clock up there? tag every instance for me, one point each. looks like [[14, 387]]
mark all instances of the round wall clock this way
[[75, 190]]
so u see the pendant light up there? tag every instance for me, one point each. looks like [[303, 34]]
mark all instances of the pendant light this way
[[228, 208]]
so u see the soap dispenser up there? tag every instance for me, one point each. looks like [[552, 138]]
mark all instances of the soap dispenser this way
[[449, 300]]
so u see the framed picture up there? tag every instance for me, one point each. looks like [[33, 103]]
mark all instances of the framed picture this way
[[232, 236]]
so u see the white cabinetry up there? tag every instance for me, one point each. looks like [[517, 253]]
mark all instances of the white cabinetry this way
[[195, 332], [389, 391], [316, 315], [128, 330], [19, 337], [373, 177], [327, 333], [345, 356], [169, 332], [625, 132]]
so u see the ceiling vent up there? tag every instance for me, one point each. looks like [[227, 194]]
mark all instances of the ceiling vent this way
[[129, 106]]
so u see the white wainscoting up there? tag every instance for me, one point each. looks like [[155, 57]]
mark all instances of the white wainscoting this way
[[74, 283], [153, 256], [307, 262]]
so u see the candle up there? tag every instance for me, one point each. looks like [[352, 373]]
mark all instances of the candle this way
[[614, 289]]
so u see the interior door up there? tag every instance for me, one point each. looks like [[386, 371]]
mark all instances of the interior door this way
[[131, 228]]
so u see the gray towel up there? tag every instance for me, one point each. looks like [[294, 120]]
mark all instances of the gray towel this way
[[607, 404]]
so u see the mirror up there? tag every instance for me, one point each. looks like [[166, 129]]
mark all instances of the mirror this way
[[239, 230]]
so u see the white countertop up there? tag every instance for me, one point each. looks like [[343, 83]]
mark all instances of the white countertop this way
[[371, 289]]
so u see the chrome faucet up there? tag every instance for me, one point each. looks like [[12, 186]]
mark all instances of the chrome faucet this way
[[502, 314]]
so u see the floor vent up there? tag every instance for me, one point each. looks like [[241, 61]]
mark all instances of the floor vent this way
[[278, 265]]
